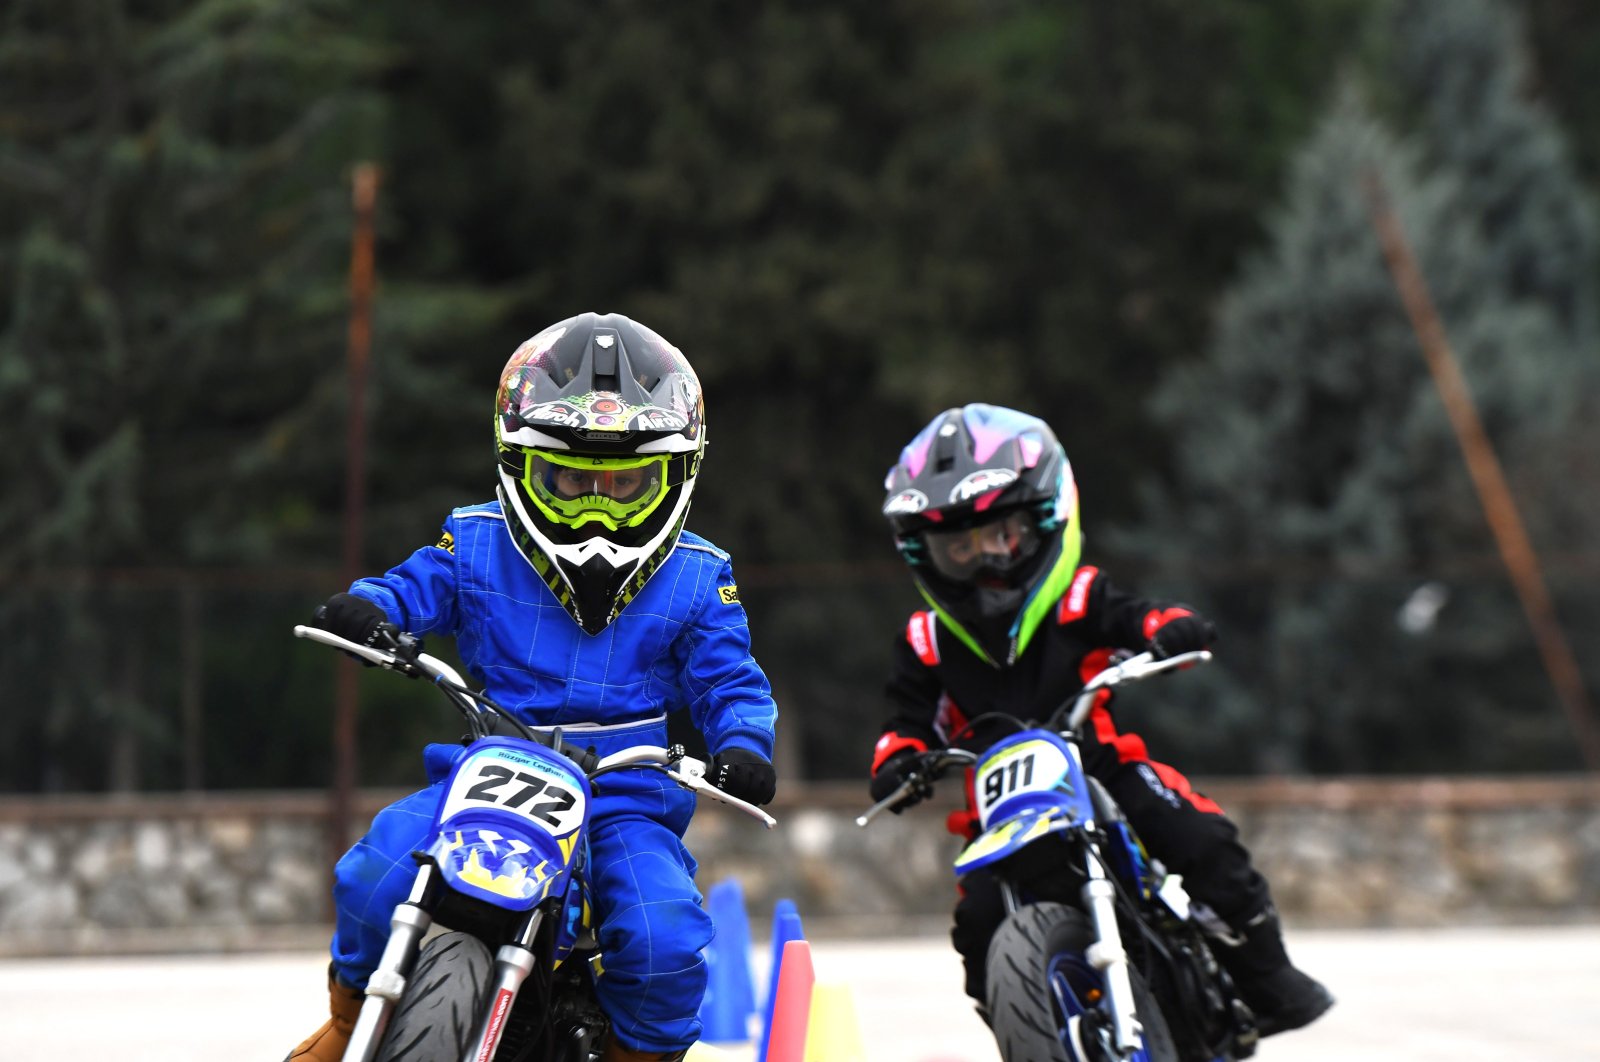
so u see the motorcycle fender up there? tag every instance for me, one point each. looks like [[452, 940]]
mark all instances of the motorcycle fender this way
[[509, 823], [1005, 838]]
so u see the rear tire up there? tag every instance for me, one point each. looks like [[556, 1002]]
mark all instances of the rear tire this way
[[1038, 952], [443, 1000]]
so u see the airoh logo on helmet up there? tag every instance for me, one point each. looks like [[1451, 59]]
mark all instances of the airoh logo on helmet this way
[[982, 482], [906, 503], [657, 419], [559, 413]]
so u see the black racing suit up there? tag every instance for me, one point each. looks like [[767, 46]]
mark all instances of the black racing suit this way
[[939, 683]]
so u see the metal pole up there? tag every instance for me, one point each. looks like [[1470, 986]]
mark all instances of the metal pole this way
[[346, 693], [1516, 550], [191, 691]]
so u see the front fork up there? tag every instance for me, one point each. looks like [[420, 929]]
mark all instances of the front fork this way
[[388, 982], [512, 965], [1108, 956], [410, 923]]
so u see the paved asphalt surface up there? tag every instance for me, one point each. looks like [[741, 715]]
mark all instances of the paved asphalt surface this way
[[1459, 995]]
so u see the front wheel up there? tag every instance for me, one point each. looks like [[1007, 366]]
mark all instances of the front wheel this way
[[1040, 979], [442, 1002]]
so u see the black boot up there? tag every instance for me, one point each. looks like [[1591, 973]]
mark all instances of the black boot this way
[[1282, 996]]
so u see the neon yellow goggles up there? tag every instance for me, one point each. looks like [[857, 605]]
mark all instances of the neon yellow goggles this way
[[576, 489]]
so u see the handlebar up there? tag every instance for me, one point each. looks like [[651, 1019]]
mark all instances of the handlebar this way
[[687, 771], [931, 766], [1134, 668], [482, 715], [420, 663], [936, 763]]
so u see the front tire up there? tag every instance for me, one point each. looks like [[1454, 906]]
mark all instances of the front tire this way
[[443, 999], [1039, 979]]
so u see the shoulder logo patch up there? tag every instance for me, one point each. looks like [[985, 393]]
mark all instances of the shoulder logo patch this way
[[447, 543], [729, 594], [1075, 603]]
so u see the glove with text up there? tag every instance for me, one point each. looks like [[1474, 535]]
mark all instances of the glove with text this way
[[744, 774], [1186, 633], [890, 773]]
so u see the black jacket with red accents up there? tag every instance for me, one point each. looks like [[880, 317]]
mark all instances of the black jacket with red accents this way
[[938, 683]]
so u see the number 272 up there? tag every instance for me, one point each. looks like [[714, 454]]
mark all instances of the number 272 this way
[[494, 776]]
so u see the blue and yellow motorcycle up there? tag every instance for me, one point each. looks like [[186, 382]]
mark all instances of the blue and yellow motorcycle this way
[[1102, 956], [511, 979]]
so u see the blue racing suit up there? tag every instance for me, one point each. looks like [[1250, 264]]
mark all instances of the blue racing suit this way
[[683, 642]]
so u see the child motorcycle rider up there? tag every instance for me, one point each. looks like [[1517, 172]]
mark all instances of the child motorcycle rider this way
[[985, 511], [578, 600]]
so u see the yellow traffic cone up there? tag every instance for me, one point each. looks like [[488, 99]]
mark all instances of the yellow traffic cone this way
[[833, 1034]]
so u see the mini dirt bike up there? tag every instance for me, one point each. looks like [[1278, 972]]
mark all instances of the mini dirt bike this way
[[1102, 956], [505, 872]]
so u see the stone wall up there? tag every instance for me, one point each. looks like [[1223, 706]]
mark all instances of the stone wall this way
[[223, 872]]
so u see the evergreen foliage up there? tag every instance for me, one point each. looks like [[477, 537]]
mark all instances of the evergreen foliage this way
[[1314, 441], [173, 238], [849, 216]]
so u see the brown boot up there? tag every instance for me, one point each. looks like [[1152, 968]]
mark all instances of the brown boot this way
[[615, 1052], [327, 1044]]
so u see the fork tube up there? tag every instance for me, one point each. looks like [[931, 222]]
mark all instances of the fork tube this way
[[1108, 956], [388, 982], [512, 964], [1008, 897]]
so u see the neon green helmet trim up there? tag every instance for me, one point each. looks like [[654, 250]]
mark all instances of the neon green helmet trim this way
[[1047, 593], [1050, 588]]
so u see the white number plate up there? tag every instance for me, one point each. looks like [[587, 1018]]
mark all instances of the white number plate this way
[[518, 783], [1032, 766]]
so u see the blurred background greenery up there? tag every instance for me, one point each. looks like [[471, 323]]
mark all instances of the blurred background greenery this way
[[1140, 219]]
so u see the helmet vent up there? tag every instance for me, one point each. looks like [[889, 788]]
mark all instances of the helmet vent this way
[[944, 448], [605, 354]]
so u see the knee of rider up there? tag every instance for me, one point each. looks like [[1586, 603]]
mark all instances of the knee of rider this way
[[655, 938]]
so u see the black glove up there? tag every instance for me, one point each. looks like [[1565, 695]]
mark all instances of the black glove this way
[[890, 773], [1182, 634], [353, 618], [744, 774], [359, 620]]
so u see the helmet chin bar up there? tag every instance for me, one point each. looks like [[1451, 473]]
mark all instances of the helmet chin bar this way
[[596, 585], [596, 578]]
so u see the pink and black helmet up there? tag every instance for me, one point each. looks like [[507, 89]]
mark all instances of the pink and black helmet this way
[[970, 467]]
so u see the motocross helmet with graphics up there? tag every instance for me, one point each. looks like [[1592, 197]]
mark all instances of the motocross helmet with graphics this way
[[599, 429], [985, 510]]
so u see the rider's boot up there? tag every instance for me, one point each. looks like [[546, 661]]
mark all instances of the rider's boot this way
[[615, 1052], [1282, 996], [327, 1044]]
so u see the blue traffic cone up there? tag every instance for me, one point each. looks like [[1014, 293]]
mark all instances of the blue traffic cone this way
[[730, 999], [785, 927]]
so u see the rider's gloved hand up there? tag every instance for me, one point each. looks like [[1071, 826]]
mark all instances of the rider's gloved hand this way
[[890, 773], [1186, 632], [360, 621], [350, 617], [744, 774]]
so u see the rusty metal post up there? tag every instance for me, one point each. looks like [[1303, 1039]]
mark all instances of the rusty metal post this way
[[1516, 549], [364, 193]]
